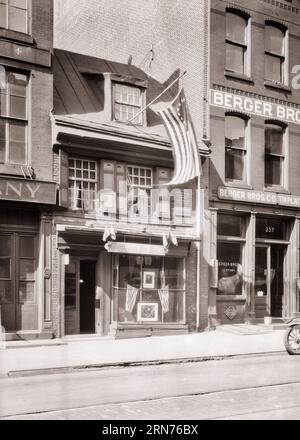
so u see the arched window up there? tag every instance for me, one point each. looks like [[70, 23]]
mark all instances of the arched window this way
[[275, 53], [236, 42], [235, 147], [274, 154]]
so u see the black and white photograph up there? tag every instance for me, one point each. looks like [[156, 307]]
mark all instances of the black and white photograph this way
[[149, 213]]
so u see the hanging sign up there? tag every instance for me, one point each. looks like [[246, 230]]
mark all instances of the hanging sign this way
[[135, 249]]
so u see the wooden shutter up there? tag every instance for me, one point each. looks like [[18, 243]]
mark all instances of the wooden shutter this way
[[108, 206], [121, 188], [161, 206], [63, 179]]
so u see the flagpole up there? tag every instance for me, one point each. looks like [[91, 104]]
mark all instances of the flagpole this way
[[198, 245], [158, 96]]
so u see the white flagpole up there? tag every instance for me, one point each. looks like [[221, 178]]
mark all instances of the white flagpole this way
[[158, 96], [198, 245]]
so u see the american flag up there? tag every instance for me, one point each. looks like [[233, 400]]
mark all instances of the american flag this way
[[181, 134], [131, 295], [164, 298]]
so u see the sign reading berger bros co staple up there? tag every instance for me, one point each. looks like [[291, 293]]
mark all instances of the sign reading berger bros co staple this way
[[266, 198], [255, 107]]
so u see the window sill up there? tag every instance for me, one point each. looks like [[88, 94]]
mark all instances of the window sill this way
[[19, 37], [277, 85], [277, 189], [237, 184], [12, 170], [240, 76]]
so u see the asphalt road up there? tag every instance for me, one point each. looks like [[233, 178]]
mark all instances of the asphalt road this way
[[247, 388]]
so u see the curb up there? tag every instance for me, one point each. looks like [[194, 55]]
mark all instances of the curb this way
[[121, 365]]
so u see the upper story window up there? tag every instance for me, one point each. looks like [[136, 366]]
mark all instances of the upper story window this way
[[140, 180], [127, 102], [82, 184], [274, 154], [236, 42], [13, 117], [14, 15], [235, 148], [275, 54]]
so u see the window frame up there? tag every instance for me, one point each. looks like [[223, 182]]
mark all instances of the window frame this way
[[73, 200], [230, 239], [138, 187], [141, 121], [282, 157], [28, 10], [283, 58], [246, 171], [9, 119], [246, 46]]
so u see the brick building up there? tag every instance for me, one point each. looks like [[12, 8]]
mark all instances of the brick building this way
[[110, 268], [254, 169], [27, 191]]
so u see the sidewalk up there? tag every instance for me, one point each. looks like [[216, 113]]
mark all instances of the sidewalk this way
[[105, 352]]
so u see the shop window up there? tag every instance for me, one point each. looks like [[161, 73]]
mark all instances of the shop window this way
[[82, 184], [231, 225], [230, 246], [236, 42], [275, 53], [140, 181], [14, 15], [27, 267], [235, 148], [128, 101], [13, 117], [149, 289], [274, 154]]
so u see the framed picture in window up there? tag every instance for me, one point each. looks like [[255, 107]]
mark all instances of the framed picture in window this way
[[149, 279], [147, 312]]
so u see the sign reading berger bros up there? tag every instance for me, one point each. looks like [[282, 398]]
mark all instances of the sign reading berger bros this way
[[255, 107], [266, 198]]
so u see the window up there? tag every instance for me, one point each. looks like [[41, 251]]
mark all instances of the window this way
[[235, 148], [149, 289], [17, 268], [82, 184], [275, 54], [13, 118], [140, 180], [274, 154], [128, 101], [14, 15], [236, 43], [230, 248]]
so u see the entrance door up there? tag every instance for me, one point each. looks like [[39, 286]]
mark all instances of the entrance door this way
[[269, 286], [87, 296]]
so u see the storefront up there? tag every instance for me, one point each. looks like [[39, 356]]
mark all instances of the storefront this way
[[257, 263], [123, 294], [25, 257]]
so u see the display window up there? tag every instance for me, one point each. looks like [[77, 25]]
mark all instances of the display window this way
[[148, 289]]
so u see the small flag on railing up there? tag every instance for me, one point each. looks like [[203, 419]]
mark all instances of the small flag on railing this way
[[131, 295], [177, 122], [164, 298]]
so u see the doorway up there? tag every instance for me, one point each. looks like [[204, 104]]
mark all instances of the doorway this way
[[80, 303], [87, 296], [269, 280]]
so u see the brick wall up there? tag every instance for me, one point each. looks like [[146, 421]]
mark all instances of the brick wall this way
[[120, 30]]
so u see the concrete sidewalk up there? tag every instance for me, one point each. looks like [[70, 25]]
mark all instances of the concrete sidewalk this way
[[103, 352]]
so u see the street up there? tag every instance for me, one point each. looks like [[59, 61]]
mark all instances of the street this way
[[262, 387]]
